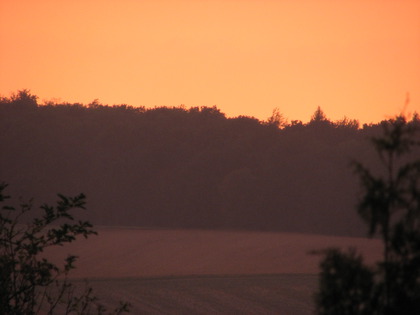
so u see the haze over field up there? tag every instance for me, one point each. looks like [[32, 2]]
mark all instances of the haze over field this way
[[193, 168], [198, 189]]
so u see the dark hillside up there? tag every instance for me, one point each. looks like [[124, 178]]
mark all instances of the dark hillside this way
[[177, 167]]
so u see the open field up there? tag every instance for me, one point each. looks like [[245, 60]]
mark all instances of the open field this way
[[256, 294], [131, 252], [206, 272]]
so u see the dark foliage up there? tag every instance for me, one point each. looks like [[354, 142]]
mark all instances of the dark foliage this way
[[390, 206], [346, 285], [178, 167], [30, 283]]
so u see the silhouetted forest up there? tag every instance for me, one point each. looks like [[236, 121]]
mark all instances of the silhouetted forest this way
[[186, 168]]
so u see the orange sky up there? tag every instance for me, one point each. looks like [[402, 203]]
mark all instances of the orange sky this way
[[357, 58]]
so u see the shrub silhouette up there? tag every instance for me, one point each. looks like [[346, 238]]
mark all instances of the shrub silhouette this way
[[345, 284], [30, 283]]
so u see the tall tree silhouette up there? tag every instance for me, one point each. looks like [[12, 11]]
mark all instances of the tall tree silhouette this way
[[390, 207], [318, 115]]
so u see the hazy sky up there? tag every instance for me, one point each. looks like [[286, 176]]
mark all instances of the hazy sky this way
[[358, 58]]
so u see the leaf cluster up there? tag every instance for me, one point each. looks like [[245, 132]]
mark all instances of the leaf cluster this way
[[30, 283]]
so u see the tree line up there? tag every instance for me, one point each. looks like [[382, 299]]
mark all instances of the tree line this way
[[187, 168]]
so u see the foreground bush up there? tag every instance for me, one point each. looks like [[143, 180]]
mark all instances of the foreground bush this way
[[30, 283]]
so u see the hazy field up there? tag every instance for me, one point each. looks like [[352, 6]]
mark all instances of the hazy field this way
[[206, 272]]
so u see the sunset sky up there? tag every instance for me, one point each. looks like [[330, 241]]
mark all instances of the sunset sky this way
[[359, 58]]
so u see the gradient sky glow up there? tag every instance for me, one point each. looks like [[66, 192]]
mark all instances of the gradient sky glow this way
[[357, 58]]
